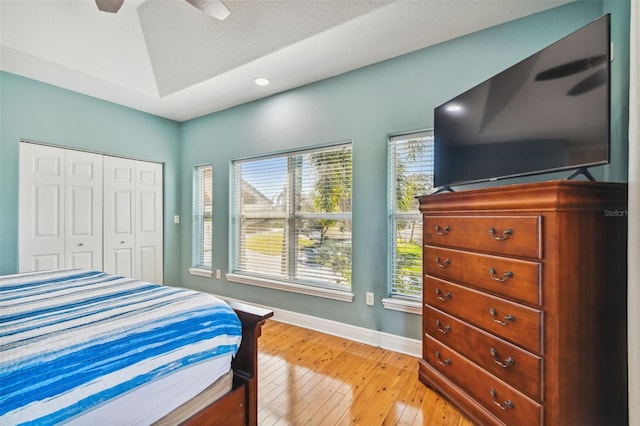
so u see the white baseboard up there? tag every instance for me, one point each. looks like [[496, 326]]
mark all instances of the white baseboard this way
[[392, 342]]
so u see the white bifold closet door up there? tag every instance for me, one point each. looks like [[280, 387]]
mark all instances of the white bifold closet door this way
[[60, 222], [85, 210], [133, 219]]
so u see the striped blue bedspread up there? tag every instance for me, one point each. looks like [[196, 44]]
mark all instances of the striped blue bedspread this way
[[71, 340]]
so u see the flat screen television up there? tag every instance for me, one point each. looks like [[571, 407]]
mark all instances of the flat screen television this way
[[549, 112]]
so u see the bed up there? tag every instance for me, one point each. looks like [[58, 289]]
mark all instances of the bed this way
[[87, 347]]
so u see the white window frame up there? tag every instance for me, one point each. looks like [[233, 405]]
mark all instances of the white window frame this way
[[202, 235], [293, 282], [399, 300]]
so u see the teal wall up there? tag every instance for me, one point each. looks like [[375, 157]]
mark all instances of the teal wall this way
[[40, 112], [363, 106], [618, 171]]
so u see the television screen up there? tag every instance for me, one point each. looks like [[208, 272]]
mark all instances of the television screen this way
[[546, 113]]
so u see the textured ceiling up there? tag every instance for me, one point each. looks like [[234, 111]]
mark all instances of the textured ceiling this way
[[209, 47], [168, 58]]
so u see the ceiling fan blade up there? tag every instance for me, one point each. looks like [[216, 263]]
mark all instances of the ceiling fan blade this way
[[111, 6], [214, 8], [595, 80], [571, 68]]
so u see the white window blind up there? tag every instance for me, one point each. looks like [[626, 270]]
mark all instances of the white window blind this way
[[202, 216], [292, 217], [410, 174]]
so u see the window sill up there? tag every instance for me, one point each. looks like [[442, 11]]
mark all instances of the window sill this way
[[403, 305], [327, 293], [200, 272]]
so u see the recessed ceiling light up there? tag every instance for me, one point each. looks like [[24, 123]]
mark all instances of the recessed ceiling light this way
[[261, 81]]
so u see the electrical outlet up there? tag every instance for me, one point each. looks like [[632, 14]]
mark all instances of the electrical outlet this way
[[176, 218], [217, 273], [369, 298]]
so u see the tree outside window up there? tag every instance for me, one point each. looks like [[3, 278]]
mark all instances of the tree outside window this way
[[410, 175], [292, 217]]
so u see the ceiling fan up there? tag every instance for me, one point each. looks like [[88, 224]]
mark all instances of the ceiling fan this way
[[214, 8], [593, 81]]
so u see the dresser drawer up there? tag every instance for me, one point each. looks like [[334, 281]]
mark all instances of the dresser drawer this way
[[517, 323], [512, 235], [517, 367], [503, 401], [512, 278]]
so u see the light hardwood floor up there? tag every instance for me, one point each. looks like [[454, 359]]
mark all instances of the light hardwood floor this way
[[311, 378]]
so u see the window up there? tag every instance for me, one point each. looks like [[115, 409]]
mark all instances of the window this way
[[291, 218], [410, 174], [202, 217]]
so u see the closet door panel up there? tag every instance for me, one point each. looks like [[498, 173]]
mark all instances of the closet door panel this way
[[148, 264], [148, 209], [122, 205], [41, 204], [149, 253], [46, 205], [121, 261], [82, 259], [84, 210], [119, 216], [45, 262]]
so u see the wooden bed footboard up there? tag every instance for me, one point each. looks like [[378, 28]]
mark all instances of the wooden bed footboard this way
[[240, 406]]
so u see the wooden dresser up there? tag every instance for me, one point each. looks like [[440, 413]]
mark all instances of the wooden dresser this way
[[524, 316]]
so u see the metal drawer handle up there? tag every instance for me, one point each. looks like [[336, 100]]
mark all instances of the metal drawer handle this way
[[444, 264], [505, 234], [505, 276], [445, 330], [509, 318], [507, 362], [442, 297], [442, 231], [507, 404], [80, 244], [445, 363]]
